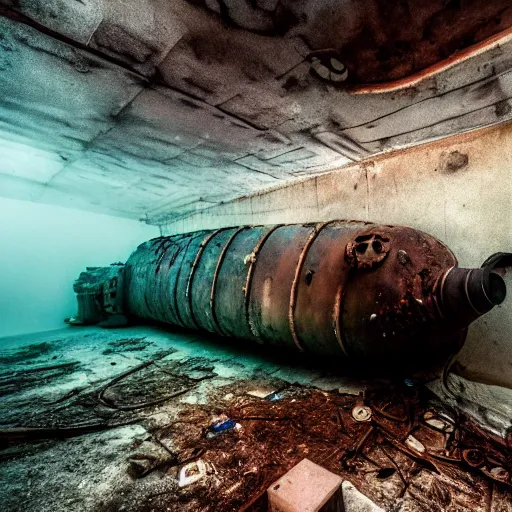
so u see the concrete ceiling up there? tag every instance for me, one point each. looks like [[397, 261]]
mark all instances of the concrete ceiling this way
[[154, 108]]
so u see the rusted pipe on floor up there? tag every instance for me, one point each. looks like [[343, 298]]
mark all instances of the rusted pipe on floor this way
[[339, 288]]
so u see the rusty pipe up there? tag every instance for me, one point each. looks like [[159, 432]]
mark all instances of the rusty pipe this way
[[339, 288], [464, 294]]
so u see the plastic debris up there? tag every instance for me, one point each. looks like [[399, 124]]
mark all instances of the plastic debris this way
[[361, 413], [499, 473], [192, 472], [220, 425], [225, 425], [414, 444], [438, 423]]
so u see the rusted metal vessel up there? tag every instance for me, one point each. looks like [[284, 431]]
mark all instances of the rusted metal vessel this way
[[339, 288]]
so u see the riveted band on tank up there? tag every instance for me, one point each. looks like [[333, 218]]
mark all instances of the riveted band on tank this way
[[171, 306], [250, 273], [193, 269], [175, 291], [222, 255], [294, 290]]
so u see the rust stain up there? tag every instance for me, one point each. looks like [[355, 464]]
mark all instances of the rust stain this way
[[454, 161], [416, 79]]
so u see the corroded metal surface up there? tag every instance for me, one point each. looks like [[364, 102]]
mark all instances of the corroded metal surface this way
[[99, 294], [335, 288]]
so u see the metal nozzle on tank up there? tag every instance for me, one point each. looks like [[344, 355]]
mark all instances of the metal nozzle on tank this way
[[462, 295]]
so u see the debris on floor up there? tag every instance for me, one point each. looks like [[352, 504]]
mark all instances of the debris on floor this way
[[266, 393], [220, 425], [356, 501], [192, 472], [178, 427]]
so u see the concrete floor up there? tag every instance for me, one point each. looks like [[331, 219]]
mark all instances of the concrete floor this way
[[131, 457], [93, 467]]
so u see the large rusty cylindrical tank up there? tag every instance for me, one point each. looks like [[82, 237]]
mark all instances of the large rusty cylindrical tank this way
[[337, 288]]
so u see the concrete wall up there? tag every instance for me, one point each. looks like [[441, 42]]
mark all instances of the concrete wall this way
[[458, 189], [42, 251], [158, 108]]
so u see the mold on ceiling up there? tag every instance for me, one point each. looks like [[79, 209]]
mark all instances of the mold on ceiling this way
[[155, 109]]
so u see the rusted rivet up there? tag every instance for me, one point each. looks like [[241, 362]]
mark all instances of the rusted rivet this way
[[403, 257]]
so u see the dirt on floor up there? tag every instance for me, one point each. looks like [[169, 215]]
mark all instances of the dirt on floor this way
[[142, 440]]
